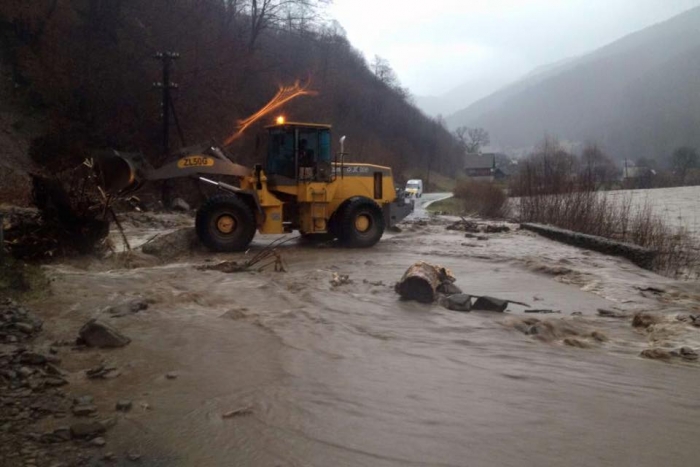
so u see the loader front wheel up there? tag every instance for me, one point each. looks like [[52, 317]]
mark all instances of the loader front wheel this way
[[225, 223], [360, 223]]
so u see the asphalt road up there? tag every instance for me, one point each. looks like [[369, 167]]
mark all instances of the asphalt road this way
[[426, 200]]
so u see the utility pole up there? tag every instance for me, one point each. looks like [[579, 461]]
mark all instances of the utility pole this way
[[165, 86]]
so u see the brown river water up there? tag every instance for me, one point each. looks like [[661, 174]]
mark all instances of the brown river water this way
[[350, 376]]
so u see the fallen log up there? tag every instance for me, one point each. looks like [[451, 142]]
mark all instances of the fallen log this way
[[421, 281]]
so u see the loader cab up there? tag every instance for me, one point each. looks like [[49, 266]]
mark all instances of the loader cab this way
[[298, 152]]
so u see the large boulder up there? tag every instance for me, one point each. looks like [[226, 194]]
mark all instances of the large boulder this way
[[98, 334]]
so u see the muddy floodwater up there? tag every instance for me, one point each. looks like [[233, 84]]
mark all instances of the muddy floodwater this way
[[286, 369], [678, 206]]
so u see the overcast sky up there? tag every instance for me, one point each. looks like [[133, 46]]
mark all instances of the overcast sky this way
[[436, 45]]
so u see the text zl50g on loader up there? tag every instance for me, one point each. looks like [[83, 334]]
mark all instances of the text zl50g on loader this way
[[303, 187]]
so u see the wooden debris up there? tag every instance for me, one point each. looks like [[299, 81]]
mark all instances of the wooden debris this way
[[421, 281], [70, 218], [268, 256]]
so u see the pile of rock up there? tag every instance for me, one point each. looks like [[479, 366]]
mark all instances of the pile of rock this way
[[32, 388], [21, 367], [17, 324]]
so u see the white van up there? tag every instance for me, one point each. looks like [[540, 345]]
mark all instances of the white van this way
[[414, 188]]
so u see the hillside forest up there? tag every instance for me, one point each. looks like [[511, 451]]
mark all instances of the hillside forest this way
[[85, 69]]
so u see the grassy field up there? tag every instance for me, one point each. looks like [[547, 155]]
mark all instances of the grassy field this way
[[449, 206]]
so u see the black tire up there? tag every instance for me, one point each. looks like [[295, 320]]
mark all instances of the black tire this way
[[216, 214], [349, 234]]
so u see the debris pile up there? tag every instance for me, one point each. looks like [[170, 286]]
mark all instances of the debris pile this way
[[340, 279], [70, 218], [426, 283], [473, 227], [464, 225], [268, 256]]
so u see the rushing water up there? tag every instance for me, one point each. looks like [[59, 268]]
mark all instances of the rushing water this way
[[284, 369]]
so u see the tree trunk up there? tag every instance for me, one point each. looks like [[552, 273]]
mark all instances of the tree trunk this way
[[420, 282]]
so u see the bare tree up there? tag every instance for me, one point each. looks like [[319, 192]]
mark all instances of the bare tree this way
[[382, 70], [597, 168], [472, 139], [265, 14], [684, 159]]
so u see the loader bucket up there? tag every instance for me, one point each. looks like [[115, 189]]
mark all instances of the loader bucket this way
[[119, 173]]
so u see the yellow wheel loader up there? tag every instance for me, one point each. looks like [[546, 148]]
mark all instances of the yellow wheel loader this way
[[303, 187]]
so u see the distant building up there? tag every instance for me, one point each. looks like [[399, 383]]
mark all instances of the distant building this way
[[480, 166], [637, 177], [485, 167]]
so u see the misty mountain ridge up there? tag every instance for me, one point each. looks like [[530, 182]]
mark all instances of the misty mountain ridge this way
[[464, 94], [637, 97]]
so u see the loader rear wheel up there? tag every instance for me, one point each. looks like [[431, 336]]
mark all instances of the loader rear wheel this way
[[360, 223], [225, 223]]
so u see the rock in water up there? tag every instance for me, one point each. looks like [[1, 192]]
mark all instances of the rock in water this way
[[656, 354], [490, 304], [686, 353], [127, 308], [458, 302], [644, 320], [97, 334]]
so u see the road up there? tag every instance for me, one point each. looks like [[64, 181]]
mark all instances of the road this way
[[426, 200]]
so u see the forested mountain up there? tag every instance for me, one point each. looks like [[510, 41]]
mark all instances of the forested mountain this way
[[88, 67], [637, 97]]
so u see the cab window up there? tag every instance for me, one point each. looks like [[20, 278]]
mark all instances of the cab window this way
[[280, 153], [314, 146]]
